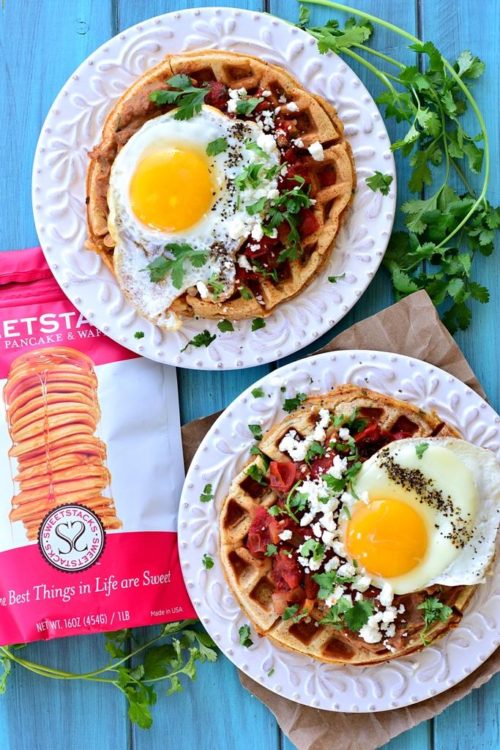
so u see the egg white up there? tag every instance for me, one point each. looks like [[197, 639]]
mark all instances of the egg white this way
[[137, 245], [470, 476]]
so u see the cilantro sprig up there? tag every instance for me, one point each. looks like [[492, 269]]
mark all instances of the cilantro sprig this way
[[173, 263], [445, 229], [135, 667], [433, 611], [379, 181], [204, 338], [187, 98]]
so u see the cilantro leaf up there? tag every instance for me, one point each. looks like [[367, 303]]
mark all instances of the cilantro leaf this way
[[314, 548], [139, 335], [294, 402], [207, 495], [246, 293], [379, 181], [204, 338], [247, 106], [207, 561], [244, 634], [187, 98], [434, 611], [335, 614], [173, 263], [217, 146], [358, 615], [258, 323], [257, 392], [256, 474], [256, 430], [334, 279], [225, 325], [327, 582], [315, 450], [271, 550], [292, 613]]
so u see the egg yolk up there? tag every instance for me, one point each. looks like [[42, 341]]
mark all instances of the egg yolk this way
[[171, 189], [388, 537]]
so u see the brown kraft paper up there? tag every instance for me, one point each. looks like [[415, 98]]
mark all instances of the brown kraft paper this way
[[411, 327]]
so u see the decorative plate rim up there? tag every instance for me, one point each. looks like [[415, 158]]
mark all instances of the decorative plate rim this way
[[76, 117], [223, 452]]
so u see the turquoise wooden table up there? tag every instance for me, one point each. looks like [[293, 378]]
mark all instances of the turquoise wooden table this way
[[41, 42]]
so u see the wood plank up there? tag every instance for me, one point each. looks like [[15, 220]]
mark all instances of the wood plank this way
[[39, 51], [189, 719], [474, 722]]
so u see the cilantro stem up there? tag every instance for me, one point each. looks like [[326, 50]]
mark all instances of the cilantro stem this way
[[415, 40], [462, 175], [376, 72], [381, 55]]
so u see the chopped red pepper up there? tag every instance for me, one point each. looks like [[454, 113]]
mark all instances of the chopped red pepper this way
[[286, 572], [308, 221], [311, 587], [282, 475], [283, 599], [320, 465], [263, 530], [217, 95]]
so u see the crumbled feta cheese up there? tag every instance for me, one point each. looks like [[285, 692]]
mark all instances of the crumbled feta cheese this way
[[358, 596], [243, 262], [266, 142], [277, 110], [307, 518], [257, 232], [386, 595], [389, 615], [292, 107], [315, 564], [317, 530], [327, 520], [327, 538], [298, 142], [282, 99], [266, 93], [332, 564], [339, 549], [297, 449], [347, 570], [202, 288], [338, 591], [237, 228], [303, 561], [272, 194], [347, 499], [362, 583], [285, 535], [338, 468], [316, 151], [390, 631], [370, 632], [344, 433], [401, 609]]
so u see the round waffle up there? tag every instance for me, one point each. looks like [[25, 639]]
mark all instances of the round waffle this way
[[250, 578], [314, 120]]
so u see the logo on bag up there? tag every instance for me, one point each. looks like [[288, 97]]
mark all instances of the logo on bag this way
[[71, 538]]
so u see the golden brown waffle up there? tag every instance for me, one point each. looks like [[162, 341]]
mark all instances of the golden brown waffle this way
[[52, 414], [249, 578], [315, 120]]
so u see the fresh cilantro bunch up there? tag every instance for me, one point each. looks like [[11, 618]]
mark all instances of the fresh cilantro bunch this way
[[136, 668], [445, 229]]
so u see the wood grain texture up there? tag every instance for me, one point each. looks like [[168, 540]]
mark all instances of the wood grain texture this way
[[39, 49]]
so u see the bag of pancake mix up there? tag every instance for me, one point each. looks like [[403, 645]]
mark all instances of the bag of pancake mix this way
[[91, 470]]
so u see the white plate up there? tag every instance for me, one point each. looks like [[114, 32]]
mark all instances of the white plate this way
[[223, 453], [74, 125]]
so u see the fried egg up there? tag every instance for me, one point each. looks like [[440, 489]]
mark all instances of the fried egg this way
[[428, 513], [164, 189]]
